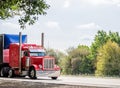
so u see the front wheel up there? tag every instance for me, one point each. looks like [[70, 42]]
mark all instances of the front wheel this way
[[32, 73], [54, 78]]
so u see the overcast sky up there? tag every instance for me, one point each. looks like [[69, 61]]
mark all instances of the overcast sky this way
[[70, 22]]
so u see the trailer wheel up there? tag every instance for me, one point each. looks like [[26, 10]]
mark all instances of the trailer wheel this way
[[4, 72], [1, 72], [32, 73], [11, 73], [54, 78]]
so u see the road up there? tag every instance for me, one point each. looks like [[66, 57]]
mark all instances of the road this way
[[73, 80]]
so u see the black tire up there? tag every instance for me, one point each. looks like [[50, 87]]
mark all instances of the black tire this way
[[32, 73], [4, 71], [1, 72], [11, 73], [54, 78]]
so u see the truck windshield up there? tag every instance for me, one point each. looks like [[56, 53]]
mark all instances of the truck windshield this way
[[37, 54]]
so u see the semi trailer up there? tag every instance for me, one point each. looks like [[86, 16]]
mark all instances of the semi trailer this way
[[18, 58]]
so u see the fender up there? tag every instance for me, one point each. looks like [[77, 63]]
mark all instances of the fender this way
[[35, 66], [56, 67]]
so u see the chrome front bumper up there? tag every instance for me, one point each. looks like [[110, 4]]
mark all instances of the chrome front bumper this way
[[47, 73]]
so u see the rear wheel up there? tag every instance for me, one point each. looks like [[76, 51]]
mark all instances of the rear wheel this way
[[1, 72], [32, 73], [54, 78], [11, 73], [4, 71]]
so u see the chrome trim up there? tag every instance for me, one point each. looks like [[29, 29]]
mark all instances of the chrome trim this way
[[20, 49], [24, 73], [28, 62], [48, 63], [41, 73]]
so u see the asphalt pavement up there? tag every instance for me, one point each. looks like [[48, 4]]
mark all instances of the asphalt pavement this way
[[77, 81]]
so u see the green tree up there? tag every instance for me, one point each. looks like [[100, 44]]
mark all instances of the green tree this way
[[114, 36], [66, 65], [75, 65], [77, 61], [108, 60], [100, 39], [86, 66], [28, 10]]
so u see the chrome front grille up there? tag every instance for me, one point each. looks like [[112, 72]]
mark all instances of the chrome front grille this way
[[48, 63]]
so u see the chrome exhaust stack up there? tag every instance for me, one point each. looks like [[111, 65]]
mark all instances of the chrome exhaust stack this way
[[20, 54]]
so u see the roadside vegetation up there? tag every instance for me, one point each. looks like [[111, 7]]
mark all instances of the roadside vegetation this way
[[102, 58]]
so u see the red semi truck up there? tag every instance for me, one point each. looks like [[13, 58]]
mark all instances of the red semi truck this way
[[17, 58]]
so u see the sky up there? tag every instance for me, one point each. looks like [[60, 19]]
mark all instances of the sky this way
[[69, 23]]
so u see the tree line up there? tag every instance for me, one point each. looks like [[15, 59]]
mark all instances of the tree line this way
[[102, 58]]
